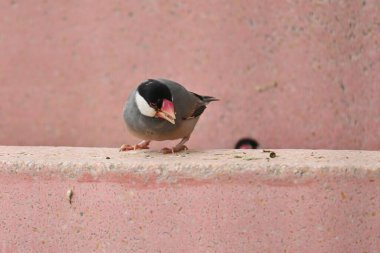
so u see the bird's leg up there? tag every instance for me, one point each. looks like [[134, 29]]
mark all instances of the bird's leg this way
[[179, 147], [142, 145]]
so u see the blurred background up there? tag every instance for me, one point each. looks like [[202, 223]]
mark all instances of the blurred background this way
[[290, 74]]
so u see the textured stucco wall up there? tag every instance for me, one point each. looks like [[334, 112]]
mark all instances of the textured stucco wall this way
[[216, 201], [289, 73]]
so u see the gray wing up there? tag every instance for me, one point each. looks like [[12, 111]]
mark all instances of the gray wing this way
[[188, 105]]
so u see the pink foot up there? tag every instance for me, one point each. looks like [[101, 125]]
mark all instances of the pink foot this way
[[174, 150], [141, 145]]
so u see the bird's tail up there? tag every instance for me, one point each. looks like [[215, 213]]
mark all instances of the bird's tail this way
[[205, 99], [208, 99]]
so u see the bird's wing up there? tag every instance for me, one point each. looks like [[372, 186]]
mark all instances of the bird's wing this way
[[198, 108], [197, 112], [191, 105]]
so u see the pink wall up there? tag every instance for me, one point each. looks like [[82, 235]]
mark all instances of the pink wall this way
[[290, 74], [227, 201]]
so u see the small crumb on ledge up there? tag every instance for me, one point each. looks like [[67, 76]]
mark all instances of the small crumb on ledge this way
[[69, 195]]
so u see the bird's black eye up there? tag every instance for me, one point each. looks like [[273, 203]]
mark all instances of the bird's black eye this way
[[159, 103], [153, 105]]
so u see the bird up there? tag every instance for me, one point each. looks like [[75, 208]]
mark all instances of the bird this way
[[161, 109]]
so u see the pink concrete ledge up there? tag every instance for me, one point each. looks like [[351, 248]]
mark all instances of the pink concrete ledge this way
[[96, 199]]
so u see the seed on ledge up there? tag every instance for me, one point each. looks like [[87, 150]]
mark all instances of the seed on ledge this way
[[69, 195]]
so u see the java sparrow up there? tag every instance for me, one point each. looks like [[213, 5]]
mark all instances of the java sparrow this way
[[160, 109]]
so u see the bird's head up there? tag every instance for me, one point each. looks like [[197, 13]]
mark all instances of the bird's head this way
[[154, 99]]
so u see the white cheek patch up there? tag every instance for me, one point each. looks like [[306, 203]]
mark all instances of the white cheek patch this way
[[143, 106]]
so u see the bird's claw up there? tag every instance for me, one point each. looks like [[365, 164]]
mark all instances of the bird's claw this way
[[173, 150], [126, 147]]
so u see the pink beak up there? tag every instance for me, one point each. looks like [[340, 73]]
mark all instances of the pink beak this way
[[167, 111]]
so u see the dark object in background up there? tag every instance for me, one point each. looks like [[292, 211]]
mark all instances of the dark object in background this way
[[246, 143]]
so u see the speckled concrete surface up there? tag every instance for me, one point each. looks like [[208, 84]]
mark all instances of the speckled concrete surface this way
[[198, 201], [292, 74]]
